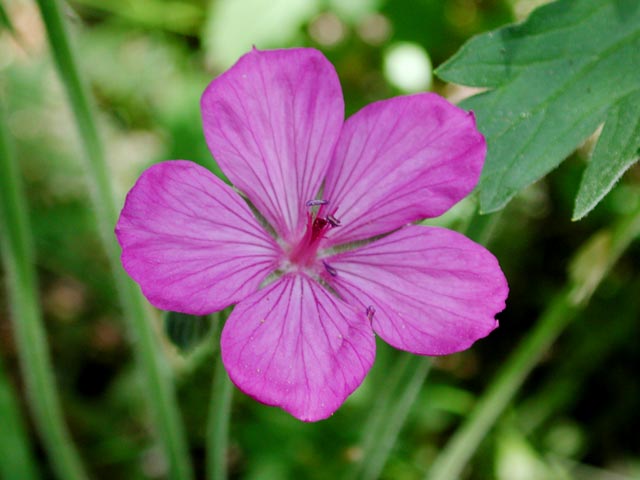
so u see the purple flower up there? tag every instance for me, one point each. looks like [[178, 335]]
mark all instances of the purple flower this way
[[318, 250]]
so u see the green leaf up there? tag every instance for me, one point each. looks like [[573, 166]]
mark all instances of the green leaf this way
[[552, 80], [186, 331], [618, 148]]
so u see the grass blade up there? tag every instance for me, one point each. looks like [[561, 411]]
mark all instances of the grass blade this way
[[17, 461], [159, 388], [5, 21], [18, 257]]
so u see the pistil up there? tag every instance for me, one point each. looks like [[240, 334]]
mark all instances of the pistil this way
[[304, 252]]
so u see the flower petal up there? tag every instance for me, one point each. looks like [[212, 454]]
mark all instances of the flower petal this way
[[401, 160], [432, 291], [296, 346], [271, 122], [190, 241]]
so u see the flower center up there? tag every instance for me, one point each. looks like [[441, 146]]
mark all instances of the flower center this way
[[304, 252]]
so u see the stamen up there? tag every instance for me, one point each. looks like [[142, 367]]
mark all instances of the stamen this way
[[371, 310], [316, 203], [332, 271], [333, 220]]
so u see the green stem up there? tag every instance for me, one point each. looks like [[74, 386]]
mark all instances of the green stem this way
[[379, 413], [457, 452], [481, 228], [562, 309], [395, 415], [159, 388], [218, 426], [17, 461], [26, 318], [589, 348]]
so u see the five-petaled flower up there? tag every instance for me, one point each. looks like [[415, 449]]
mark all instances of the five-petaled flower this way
[[318, 250]]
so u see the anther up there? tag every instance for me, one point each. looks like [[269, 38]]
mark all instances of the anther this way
[[332, 271], [371, 310], [316, 203], [333, 220]]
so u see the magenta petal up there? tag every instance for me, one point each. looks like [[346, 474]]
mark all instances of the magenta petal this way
[[433, 291], [296, 346], [271, 122], [401, 160], [190, 241]]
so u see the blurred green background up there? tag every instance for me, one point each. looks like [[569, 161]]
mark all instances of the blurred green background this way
[[146, 63]]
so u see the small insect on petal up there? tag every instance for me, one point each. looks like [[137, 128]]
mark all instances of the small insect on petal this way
[[332, 271]]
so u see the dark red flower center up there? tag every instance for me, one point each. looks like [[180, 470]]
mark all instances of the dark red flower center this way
[[304, 252]]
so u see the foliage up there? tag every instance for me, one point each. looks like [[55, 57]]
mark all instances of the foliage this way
[[551, 84]]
